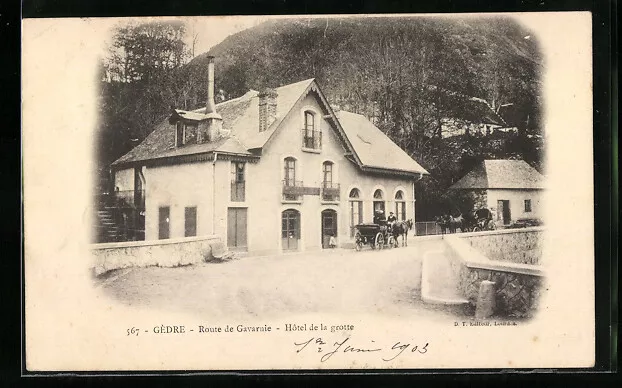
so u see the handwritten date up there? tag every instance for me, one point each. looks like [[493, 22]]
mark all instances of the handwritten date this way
[[346, 346]]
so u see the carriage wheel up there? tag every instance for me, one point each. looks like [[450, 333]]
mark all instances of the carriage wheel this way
[[358, 241], [379, 241], [392, 242], [476, 229]]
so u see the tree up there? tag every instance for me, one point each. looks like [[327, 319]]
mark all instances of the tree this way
[[139, 83]]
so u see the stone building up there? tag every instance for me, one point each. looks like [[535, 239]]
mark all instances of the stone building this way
[[511, 189], [270, 171]]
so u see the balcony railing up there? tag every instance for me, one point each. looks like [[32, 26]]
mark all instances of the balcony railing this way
[[292, 190], [122, 199], [330, 191], [238, 190], [312, 139]]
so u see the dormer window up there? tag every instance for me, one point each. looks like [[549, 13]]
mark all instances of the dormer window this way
[[311, 137], [185, 134]]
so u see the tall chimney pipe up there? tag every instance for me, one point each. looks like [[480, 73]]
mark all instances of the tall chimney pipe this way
[[210, 106]]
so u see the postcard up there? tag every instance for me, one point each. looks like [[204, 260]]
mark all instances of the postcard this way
[[355, 192]]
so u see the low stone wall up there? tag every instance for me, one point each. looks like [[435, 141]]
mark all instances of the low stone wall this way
[[522, 246], [162, 253], [517, 286]]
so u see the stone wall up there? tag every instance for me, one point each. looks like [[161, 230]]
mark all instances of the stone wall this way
[[522, 246], [517, 283], [162, 253]]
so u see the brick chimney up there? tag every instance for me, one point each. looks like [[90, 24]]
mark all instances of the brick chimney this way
[[212, 127], [267, 108]]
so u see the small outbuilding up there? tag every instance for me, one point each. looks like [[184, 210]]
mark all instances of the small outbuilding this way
[[511, 189]]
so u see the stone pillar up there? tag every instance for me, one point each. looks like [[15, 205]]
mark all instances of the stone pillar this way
[[485, 300]]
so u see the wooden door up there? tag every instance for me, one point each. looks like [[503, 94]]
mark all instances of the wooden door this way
[[503, 211], [164, 223], [329, 226], [290, 229], [236, 227]]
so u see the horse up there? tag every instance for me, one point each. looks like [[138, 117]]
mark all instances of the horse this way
[[401, 228], [464, 223]]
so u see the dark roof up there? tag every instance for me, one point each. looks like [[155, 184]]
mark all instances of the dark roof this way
[[501, 174], [369, 146], [473, 109]]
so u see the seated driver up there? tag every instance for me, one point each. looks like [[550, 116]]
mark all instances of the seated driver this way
[[391, 219]]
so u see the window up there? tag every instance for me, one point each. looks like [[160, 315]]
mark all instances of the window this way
[[400, 206], [164, 222], [190, 218], [356, 210], [291, 188], [290, 171], [311, 138], [330, 189], [237, 182], [527, 205], [185, 134], [327, 173], [378, 202]]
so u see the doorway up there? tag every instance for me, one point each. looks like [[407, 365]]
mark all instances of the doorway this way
[[290, 229], [236, 227], [503, 211], [329, 226]]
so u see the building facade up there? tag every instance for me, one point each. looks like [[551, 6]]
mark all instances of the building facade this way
[[271, 171], [511, 189]]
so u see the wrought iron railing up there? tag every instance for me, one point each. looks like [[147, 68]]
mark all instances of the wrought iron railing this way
[[311, 139], [330, 191], [292, 190], [120, 216], [123, 199], [427, 228], [238, 190]]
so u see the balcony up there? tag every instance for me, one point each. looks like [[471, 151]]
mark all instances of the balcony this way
[[293, 190], [238, 190], [330, 192], [311, 140]]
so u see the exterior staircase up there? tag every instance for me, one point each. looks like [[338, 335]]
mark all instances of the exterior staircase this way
[[107, 230]]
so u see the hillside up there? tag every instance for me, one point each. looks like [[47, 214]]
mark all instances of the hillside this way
[[389, 70]]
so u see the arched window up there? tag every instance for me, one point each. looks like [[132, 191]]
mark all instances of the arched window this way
[[327, 174], [311, 136], [378, 203], [290, 171], [356, 209], [330, 189], [400, 206], [290, 192]]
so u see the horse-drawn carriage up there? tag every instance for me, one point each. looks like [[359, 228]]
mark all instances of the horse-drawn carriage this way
[[483, 220], [376, 235]]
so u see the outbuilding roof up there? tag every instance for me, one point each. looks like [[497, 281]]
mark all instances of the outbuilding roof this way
[[501, 174]]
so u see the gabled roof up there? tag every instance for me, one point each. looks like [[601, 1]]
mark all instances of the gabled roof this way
[[373, 147], [501, 174], [239, 115], [367, 146]]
